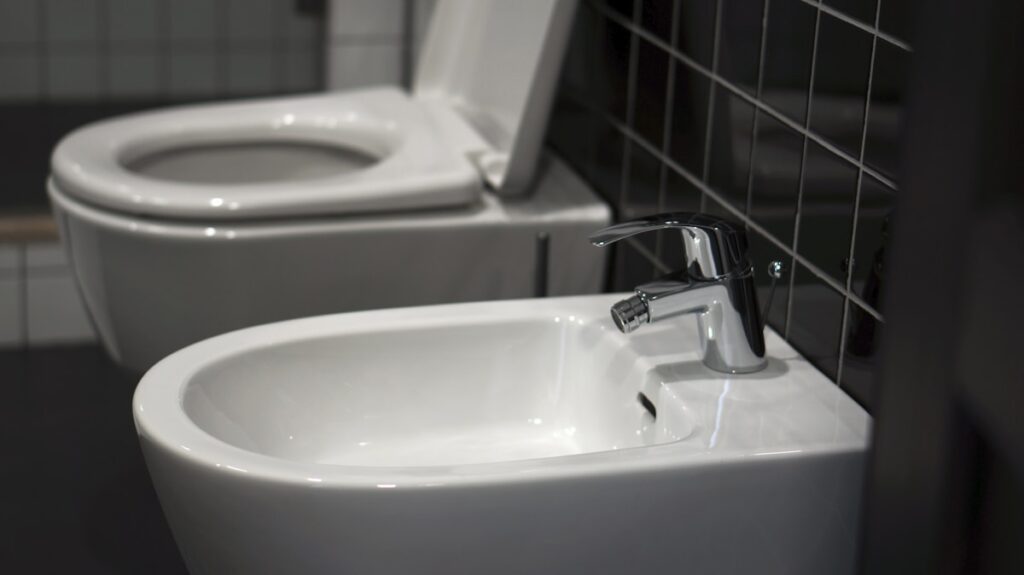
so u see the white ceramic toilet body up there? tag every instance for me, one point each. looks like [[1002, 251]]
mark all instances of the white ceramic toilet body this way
[[188, 222], [152, 287]]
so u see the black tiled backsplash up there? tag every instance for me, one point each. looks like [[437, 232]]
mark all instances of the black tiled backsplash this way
[[781, 114]]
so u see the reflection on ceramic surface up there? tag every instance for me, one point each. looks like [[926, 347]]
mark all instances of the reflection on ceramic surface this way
[[501, 437]]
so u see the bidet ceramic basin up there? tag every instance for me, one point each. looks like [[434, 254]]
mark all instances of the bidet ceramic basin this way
[[518, 437]]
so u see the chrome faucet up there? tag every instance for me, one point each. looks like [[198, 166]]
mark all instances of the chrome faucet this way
[[717, 285]]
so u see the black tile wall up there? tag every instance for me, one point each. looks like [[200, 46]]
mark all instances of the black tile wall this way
[[895, 17], [840, 83], [863, 10], [787, 57], [881, 148], [784, 115], [739, 45], [731, 144], [689, 110]]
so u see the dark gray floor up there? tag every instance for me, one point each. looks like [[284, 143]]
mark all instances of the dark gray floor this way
[[75, 496]]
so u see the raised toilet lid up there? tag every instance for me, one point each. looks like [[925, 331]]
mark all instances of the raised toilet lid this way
[[496, 63]]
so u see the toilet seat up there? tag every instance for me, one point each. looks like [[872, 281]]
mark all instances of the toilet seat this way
[[475, 119], [420, 148]]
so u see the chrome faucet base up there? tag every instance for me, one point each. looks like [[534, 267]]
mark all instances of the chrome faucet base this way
[[717, 285]]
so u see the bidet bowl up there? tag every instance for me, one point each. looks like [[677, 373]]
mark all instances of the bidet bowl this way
[[499, 437]]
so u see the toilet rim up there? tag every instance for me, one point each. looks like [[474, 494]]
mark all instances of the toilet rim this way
[[369, 137], [408, 170], [259, 229]]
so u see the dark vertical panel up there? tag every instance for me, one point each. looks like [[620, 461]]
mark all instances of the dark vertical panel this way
[[945, 482]]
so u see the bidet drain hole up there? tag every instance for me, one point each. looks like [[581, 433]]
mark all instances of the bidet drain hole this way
[[647, 404]]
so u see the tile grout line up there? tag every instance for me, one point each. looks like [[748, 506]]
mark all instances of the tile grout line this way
[[223, 48], [706, 189], [22, 264], [850, 262], [709, 129], [282, 46], [364, 40], [407, 38], [666, 134], [41, 44], [634, 48], [874, 31], [627, 146], [754, 129], [735, 90], [650, 257], [752, 157], [163, 42], [803, 172], [103, 73]]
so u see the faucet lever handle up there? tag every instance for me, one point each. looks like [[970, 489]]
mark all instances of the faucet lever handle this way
[[715, 247]]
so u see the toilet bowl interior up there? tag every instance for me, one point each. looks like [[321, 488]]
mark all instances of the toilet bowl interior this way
[[249, 162], [253, 155]]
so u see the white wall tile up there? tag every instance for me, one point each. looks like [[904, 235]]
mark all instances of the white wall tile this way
[[252, 70], [422, 11], [56, 313], [301, 69], [44, 255], [132, 21], [10, 312], [251, 19], [301, 29], [19, 20], [193, 19], [353, 18], [9, 259], [72, 75], [19, 76], [359, 65], [72, 21], [194, 73], [134, 73]]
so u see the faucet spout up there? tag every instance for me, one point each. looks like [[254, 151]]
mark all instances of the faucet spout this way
[[669, 296]]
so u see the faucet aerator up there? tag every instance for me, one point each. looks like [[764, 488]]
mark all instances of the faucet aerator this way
[[629, 314]]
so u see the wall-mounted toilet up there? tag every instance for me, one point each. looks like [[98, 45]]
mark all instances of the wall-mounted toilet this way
[[192, 221]]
